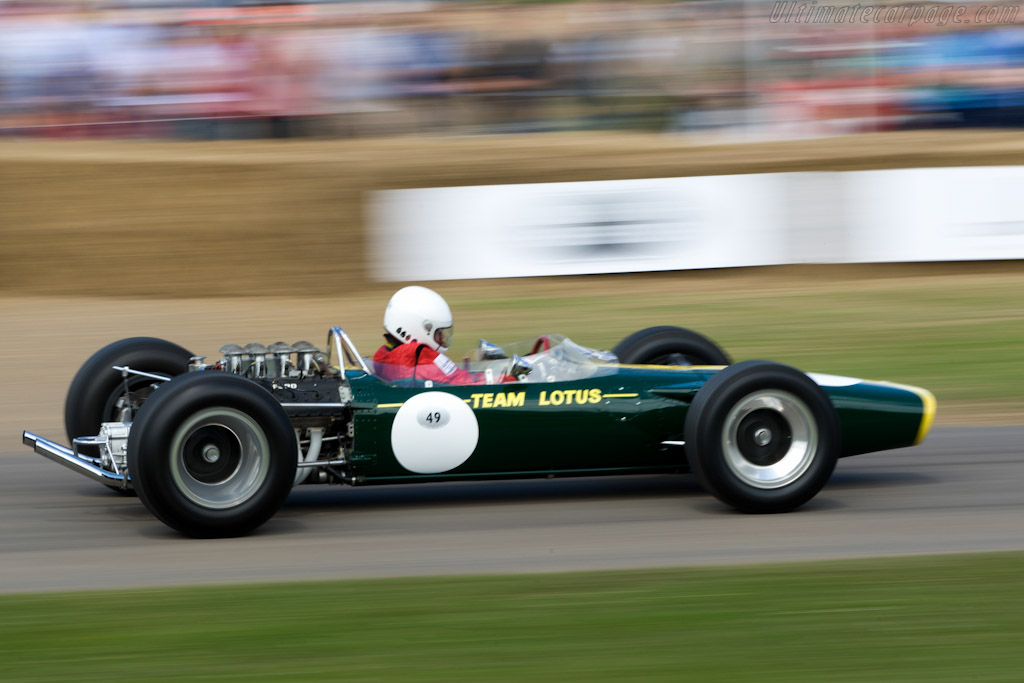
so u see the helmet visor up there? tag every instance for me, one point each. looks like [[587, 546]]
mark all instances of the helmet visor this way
[[443, 337]]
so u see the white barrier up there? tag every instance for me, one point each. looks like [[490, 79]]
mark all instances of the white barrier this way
[[936, 214], [574, 228], [697, 222]]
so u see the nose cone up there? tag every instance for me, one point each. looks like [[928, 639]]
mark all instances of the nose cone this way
[[928, 408]]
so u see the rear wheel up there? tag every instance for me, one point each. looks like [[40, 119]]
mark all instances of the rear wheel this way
[[668, 345], [99, 394], [212, 455], [762, 437]]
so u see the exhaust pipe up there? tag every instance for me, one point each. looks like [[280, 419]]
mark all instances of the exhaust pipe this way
[[62, 455]]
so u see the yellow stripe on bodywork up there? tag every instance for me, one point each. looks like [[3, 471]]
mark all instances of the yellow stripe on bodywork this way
[[390, 405], [929, 406], [619, 395]]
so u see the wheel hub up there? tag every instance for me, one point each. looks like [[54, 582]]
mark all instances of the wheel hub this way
[[220, 457], [211, 454], [764, 437], [769, 439]]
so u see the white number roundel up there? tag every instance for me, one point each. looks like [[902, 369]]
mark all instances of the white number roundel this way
[[434, 432]]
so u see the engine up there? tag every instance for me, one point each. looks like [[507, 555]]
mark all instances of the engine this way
[[300, 360], [313, 393]]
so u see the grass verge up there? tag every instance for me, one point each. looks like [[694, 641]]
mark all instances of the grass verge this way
[[943, 618]]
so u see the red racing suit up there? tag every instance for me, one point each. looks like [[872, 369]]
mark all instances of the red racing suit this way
[[420, 362]]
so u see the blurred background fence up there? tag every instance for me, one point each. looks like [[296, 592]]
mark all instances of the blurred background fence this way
[[212, 69], [262, 218]]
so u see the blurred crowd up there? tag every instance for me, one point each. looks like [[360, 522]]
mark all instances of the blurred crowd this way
[[225, 70]]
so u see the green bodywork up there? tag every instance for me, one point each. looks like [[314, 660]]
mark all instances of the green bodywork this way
[[613, 423]]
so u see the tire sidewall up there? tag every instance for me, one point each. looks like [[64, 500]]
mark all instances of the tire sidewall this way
[[150, 459], [705, 423]]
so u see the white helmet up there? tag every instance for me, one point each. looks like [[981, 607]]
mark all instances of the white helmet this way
[[419, 314]]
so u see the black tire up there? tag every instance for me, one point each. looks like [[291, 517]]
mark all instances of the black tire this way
[[667, 345], [762, 437], [212, 455], [96, 391]]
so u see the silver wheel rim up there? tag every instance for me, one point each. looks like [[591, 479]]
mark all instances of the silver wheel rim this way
[[219, 458], [770, 439]]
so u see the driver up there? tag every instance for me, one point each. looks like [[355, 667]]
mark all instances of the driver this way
[[417, 331]]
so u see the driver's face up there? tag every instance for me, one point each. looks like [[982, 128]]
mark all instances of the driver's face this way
[[443, 337]]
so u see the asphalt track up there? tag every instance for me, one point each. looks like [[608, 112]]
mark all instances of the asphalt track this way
[[963, 490]]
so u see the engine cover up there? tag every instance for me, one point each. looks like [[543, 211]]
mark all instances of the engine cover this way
[[316, 397]]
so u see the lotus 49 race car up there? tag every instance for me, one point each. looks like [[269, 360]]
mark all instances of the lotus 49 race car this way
[[213, 450]]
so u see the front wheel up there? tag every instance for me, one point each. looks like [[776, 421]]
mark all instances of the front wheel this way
[[212, 455], [762, 437]]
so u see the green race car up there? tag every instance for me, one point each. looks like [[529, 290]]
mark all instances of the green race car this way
[[213, 450]]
